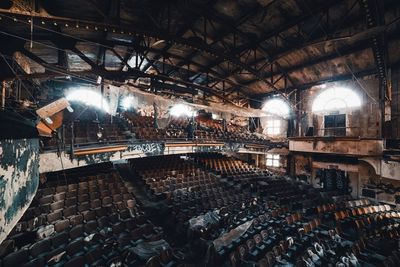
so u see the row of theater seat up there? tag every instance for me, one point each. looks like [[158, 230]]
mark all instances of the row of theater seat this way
[[143, 127], [283, 233], [250, 218], [92, 221]]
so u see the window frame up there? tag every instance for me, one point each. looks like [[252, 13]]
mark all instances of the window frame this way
[[273, 160], [274, 127]]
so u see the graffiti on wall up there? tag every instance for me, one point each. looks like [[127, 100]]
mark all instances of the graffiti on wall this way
[[19, 179], [149, 149]]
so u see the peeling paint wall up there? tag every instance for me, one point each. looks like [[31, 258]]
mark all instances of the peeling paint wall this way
[[364, 147], [19, 179]]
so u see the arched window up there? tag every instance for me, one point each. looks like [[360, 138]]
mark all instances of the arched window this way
[[336, 98], [88, 97], [276, 106], [277, 109]]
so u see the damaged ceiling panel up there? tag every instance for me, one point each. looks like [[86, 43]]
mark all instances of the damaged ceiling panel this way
[[238, 50]]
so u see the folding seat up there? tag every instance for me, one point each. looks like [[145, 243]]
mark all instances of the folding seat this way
[[84, 206], [130, 224], [268, 242], [54, 216], [23, 239], [137, 236], [125, 214], [94, 257], [89, 215], [104, 193], [72, 187], [83, 191], [117, 198], [103, 222], [95, 203], [35, 262], [40, 249], [71, 194], [16, 258], [69, 211], [75, 248], [83, 198], [48, 191], [71, 201], [76, 219], [59, 205], [107, 202], [118, 228], [90, 227], [59, 240], [77, 232], [61, 189], [83, 185], [46, 199], [94, 195], [261, 246], [59, 196], [61, 225], [147, 231], [100, 212]]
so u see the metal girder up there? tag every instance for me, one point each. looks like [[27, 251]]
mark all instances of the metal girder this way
[[229, 28], [56, 71], [375, 16], [344, 77], [69, 42], [96, 25], [320, 59], [182, 31], [231, 54], [273, 56]]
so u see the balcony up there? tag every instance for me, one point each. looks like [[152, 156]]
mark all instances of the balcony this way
[[350, 146]]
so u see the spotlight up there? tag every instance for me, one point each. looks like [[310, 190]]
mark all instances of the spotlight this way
[[70, 109]]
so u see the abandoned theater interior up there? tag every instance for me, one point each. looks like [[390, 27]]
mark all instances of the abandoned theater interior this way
[[185, 133]]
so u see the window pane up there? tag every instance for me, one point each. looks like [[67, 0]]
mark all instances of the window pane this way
[[276, 156], [276, 163], [269, 162]]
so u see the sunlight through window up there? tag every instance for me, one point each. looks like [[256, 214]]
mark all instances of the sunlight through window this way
[[336, 98], [180, 110], [276, 106], [89, 97]]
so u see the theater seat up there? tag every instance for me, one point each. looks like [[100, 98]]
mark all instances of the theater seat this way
[[16, 258]]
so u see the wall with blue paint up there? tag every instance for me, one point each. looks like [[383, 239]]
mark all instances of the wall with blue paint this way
[[19, 179]]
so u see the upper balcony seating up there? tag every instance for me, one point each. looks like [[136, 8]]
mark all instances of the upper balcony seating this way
[[88, 128], [176, 128]]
